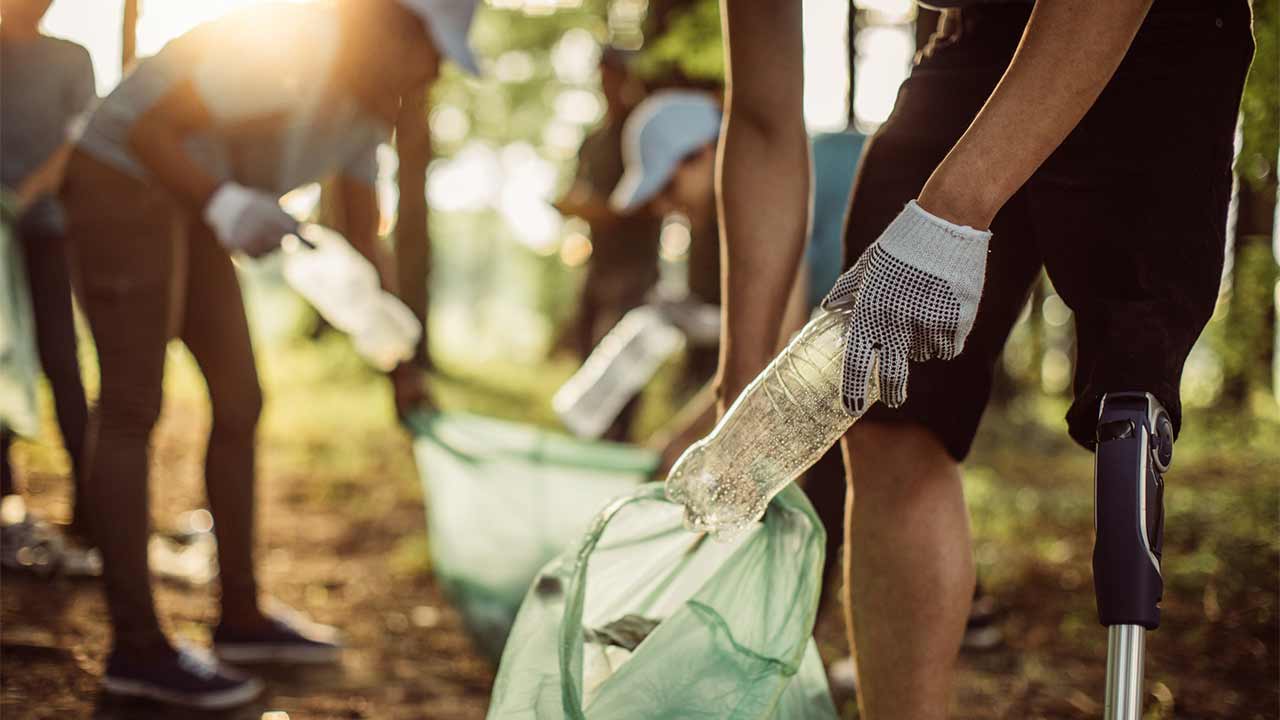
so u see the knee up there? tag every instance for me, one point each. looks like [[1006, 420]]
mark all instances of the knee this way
[[236, 415], [128, 412], [897, 458]]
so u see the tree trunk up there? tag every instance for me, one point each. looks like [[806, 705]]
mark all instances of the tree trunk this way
[[412, 241], [1250, 318], [1249, 349], [129, 35], [852, 47]]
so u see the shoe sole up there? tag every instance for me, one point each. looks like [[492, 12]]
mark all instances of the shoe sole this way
[[292, 654], [221, 700], [981, 639]]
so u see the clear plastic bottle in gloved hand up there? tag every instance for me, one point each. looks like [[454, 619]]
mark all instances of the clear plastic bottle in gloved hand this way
[[779, 426]]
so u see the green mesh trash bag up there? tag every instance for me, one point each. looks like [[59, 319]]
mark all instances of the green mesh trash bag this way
[[19, 363], [504, 498], [645, 620]]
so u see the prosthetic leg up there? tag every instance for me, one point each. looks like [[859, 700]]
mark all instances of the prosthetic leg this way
[[1135, 448]]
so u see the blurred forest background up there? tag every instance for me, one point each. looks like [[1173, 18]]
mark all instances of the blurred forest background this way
[[504, 262], [494, 151], [466, 202]]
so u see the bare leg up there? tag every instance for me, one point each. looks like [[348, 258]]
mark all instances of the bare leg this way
[[846, 557], [910, 569]]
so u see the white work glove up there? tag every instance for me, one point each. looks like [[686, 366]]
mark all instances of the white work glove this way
[[247, 220], [914, 295]]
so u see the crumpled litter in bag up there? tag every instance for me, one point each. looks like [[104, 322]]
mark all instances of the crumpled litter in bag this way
[[504, 498], [19, 362], [734, 637]]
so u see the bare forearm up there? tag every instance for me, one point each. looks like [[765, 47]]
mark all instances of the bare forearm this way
[[694, 421], [586, 204], [158, 140], [165, 157], [764, 212], [360, 226], [413, 147], [1069, 51], [46, 178], [762, 187], [797, 313]]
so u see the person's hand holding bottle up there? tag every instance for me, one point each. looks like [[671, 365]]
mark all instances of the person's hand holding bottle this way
[[914, 296]]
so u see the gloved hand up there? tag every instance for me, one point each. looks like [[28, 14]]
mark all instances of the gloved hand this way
[[247, 220], [914, 296]]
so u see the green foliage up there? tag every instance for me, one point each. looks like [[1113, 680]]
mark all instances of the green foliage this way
[[1261, 104], [411, 556], [505, 107], [476, 255], [1248, 326], [691, 47]]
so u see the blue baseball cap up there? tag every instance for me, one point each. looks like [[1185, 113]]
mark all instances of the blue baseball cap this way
[[661, 132], [449, 22]]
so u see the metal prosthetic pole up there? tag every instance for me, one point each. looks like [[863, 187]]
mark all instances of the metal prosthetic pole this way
[[1135, 448]]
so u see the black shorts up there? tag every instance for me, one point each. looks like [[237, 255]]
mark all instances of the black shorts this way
[[1128, 215]]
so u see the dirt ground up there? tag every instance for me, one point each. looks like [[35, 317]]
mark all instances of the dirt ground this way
[[342, 536], [407, 656]]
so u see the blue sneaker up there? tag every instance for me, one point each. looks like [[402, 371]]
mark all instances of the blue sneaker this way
[[187, 678], [287, 638]]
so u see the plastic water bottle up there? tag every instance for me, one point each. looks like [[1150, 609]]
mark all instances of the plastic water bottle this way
[[623, 363], [343, 286], [777, 428], [699, 321]]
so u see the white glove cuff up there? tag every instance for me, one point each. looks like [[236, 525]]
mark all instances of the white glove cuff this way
[[223, 209], [926, 241]]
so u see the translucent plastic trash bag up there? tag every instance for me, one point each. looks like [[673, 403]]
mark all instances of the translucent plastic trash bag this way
[[19, 363], [504, 498], [733, 639]]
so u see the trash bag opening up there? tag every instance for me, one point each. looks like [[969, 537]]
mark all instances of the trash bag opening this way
[[500, 505], [661, 583]]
